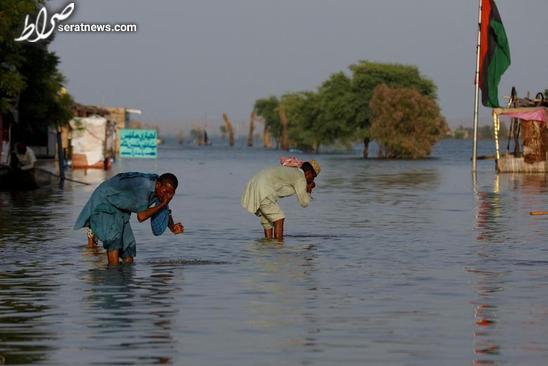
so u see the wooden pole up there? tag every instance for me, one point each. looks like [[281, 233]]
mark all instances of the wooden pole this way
[[69, 179], [538, 213], [60, 155], [229, 129], [267, 139], [251, 129], [476, 95]]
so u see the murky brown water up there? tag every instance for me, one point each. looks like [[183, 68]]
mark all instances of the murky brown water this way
[[394, 263]]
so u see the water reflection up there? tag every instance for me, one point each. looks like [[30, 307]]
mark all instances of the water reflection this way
[[530, 184], [488, 286], [94, 176], [132, 314], [289, 300], [487, 281], [26, 327], [489, 212], [399, 182], [28, 279], [422, 178], [27, 216], [502, 207], [501, 222]]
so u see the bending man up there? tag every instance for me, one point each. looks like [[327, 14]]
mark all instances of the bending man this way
[[106, 214], [263, 191]]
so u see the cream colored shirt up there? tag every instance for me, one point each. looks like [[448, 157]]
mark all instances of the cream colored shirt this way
[[26, 160], [275, 183]]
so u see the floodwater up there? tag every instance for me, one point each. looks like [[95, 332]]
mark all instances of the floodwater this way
[[394, 263]]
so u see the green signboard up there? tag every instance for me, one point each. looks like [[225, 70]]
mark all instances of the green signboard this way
[[138, 143]]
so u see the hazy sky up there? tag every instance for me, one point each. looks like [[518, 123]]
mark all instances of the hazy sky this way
[[192, 59]]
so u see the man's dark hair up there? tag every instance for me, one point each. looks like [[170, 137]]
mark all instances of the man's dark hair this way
[[168, 178], [21, 147], [308, 167]]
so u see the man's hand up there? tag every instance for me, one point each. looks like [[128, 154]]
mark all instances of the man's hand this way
[[177, 228], [166, 199]]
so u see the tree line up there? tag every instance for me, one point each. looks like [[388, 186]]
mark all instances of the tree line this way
[[392, 104], [31, 86]]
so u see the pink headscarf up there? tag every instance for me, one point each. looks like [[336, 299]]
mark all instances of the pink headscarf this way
[[291, 161]]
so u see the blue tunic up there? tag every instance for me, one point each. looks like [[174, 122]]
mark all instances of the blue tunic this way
[[109, 208]]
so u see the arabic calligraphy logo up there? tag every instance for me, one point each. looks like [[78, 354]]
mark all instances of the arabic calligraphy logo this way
[[40, 27]]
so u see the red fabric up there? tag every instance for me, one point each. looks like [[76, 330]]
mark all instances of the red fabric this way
[[485, 20]]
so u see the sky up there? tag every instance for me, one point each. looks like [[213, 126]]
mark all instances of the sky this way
[[192, 60]]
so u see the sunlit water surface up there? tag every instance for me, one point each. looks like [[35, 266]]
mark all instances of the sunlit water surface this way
[[394, 263]]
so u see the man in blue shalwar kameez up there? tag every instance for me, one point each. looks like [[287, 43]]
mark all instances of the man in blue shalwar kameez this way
[[107, 212]]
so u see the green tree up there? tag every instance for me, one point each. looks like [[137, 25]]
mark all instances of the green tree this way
[[42, 102], [302, 111], [460, 133], [29, 78], [366, 76], [322, 117], [337, 111], [267, 109], [405, 123], [12, 82]]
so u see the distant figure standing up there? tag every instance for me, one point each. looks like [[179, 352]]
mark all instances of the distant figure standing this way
[[25, 157], [107, 212], [263, 191]]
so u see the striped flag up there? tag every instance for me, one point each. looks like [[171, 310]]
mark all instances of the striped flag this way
[[494, 53]]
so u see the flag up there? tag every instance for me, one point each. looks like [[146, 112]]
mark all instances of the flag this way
[[494, 53]]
